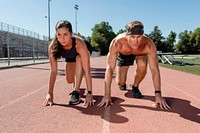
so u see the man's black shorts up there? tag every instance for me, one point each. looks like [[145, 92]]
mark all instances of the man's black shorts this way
[[125, 60]]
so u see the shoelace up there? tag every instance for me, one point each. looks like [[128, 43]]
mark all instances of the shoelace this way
[[72, 93]]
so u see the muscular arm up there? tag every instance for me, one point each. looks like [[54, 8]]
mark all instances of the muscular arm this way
[[111, 63], [153, 64]]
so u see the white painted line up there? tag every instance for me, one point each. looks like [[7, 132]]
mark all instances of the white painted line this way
[[106, 120], [20, 98], [181, 90], [22, 77]]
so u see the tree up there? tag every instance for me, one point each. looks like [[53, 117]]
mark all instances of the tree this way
[[171, 39], [184, 45], [195, 41], [102, 35], [158, 39], [120, 31]]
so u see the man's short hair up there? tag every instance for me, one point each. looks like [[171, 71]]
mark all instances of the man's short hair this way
[[135, 28]]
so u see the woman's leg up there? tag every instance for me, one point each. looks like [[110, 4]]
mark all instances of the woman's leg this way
[[75, 73], [70, 72], [78, 73]]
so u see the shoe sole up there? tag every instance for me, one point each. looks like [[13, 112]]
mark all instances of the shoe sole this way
[[121, 88], [74, 103], [138, 97]]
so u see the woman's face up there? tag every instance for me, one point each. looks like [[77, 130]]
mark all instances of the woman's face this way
[[63, 35]]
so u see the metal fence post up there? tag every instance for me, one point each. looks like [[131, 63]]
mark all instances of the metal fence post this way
[[8, 49], [33, 51]]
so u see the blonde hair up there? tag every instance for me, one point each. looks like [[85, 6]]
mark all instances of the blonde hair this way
[[133, 24], [135, 28]]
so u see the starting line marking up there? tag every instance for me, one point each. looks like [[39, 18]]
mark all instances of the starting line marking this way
[[106, 120]]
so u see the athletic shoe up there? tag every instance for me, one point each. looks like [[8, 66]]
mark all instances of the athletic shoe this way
[[75, 98], [136, 92], [122, 87]]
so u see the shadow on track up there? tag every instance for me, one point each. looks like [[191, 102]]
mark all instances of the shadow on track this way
[[114, 110], [178, 106]]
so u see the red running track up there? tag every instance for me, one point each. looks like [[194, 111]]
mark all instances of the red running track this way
[[23, 90]]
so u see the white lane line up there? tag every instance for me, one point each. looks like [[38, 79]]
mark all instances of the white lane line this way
[[106, 120], [181, 90], [20, 78], [28, 94]]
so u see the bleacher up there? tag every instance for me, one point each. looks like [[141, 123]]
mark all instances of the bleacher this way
[[18, 43]]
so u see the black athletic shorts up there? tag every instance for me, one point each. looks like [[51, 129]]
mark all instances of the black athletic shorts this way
[[70, 59], [125, 60], [74, 59]]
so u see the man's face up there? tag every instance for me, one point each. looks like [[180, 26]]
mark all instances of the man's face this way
[[134, 41]]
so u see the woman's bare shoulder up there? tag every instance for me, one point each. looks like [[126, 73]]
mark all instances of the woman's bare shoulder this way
[[79, 41]]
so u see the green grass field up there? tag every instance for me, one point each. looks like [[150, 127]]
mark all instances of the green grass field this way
[[190, 66]]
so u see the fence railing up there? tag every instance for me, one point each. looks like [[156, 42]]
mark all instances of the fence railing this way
[[21, 31], [16, 47]]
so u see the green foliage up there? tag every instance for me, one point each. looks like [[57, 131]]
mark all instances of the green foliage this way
[[195, 40], [158, 39], [171, 39], [163, 44], [189, 42], [184, 45], [102, 35], [120, 31]]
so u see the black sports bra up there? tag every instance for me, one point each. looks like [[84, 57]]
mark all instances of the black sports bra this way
[[71, 53]]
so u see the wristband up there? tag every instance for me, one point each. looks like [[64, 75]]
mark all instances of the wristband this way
[[157, 91], [89, 92]]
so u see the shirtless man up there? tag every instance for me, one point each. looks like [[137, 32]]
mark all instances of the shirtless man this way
[[124, 48]]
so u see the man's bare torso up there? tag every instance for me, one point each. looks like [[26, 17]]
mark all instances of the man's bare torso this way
[[139, 45]]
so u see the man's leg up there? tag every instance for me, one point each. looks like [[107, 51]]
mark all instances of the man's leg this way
[[124, 61], [121, 76], [139, 75]]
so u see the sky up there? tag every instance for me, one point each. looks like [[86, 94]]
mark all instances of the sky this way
[[168, 15]]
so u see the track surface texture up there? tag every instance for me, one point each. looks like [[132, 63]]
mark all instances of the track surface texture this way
[[23, 90]]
